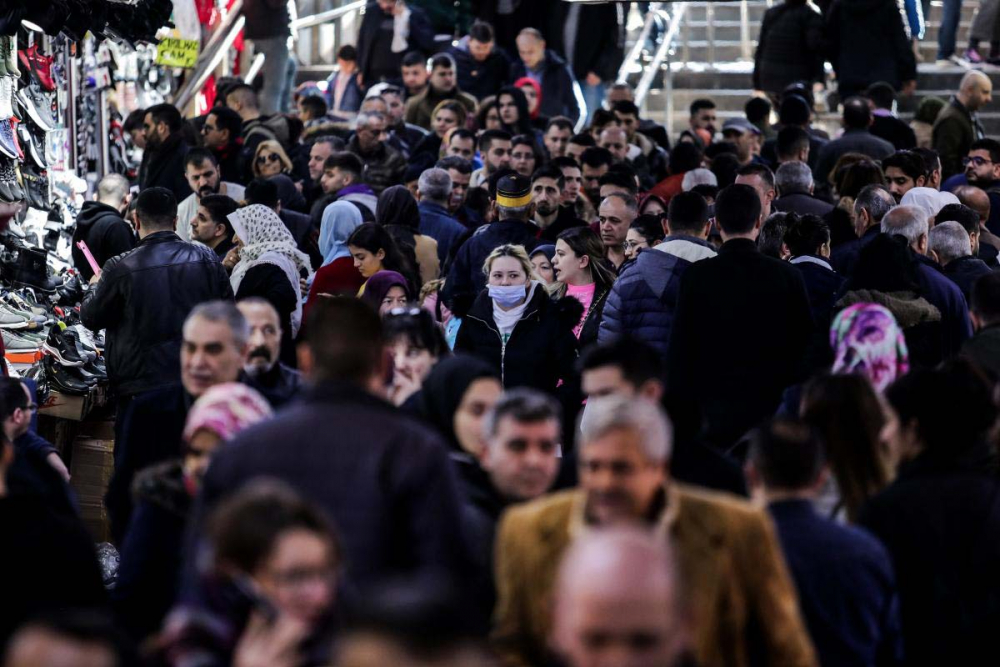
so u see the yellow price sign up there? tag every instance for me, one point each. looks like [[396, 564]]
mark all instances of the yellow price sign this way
[[172, 52]]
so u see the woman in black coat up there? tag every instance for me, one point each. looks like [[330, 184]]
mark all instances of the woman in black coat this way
[[790, 47], [514, 326], [808, 240]]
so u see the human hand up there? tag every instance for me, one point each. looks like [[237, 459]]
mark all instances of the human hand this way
[[592, 79], [232, 259], [270, 644], [94, 278], [404, 385]]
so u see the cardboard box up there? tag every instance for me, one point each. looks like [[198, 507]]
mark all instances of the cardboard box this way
[[91, 467], [95, 518], [75, 408]]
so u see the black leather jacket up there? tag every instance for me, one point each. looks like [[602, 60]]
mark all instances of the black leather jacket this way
[[142, 299]]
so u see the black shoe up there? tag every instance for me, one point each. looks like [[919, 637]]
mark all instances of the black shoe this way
[[63, 348], [32, 270], [61, 380]]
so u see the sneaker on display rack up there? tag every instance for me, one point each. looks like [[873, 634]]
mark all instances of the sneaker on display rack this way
[[6, 97], [8, 147], [31, 146], [10, 191], [63, 380], [15, 343], [38, 106], [10, 318], [63, 347], [38, 65]]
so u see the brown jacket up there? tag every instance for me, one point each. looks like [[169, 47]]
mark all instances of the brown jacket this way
[[727, 554]]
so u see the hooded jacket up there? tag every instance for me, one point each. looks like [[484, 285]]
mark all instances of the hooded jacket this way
[[104, 231], [643, 300], [480, 79], [557, 82]]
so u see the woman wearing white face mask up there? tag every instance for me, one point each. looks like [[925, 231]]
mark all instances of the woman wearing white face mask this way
[[516, 327]]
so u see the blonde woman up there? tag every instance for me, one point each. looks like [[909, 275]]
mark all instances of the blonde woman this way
[[270, 159], [514, 326]]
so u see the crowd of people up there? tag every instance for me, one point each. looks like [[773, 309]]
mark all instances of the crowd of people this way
[[468, 363]]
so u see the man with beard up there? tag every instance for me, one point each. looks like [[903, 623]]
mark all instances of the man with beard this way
[[278, 383], [210, 225], [222, 134], [319, 151], [383, 164], [403, 136], [982, 169], [442, 86], [460, 171], [201, 170], [546, 192], [163, 159], [494, 148], [341, 179], [101, 226], [595, 162]]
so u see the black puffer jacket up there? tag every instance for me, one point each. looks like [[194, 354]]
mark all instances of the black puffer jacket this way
[[105, 233], [142, 299], [790, 47]]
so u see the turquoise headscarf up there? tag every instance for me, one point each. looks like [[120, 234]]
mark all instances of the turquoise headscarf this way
[[340, 219]]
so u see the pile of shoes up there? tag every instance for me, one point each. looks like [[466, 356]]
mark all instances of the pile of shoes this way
[[132, 21]]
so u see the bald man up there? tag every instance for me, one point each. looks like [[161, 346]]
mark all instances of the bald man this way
[[976, 199], [957, 126], [618, 585]]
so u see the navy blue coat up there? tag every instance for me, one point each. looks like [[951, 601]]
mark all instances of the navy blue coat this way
[[558, 98], [437, 223], [947, 297], [823, 287], [845, 256], [964, 272]]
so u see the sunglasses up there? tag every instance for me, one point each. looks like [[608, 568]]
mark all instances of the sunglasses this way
[[264, 159]]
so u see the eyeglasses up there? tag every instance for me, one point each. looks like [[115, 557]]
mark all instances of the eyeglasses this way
[[632, 245], [273, 157], [976, 160]]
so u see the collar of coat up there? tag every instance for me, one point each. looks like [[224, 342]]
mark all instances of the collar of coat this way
[[580, 524]]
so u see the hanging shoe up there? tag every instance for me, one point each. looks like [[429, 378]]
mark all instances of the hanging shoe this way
[[39, 65], [7, 146], [38, 107]]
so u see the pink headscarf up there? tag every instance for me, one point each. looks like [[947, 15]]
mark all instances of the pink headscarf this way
[[226, 409], [528, 81]]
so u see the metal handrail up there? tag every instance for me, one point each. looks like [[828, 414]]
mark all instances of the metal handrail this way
[[673, 20], [207, 63], [636, 51], [328, 16]]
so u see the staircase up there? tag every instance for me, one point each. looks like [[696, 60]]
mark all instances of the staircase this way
[[709, 59]]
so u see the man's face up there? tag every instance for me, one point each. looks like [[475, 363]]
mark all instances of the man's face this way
[[463, 147], [745, 142], [899, 182], [982, 95], [530, 50], [498, 155], [265, 337], [156, 133], [522, 458], [573, 183], [415, 78], [20, 420], [629, 123], [704, 119], [605, 381], [546, 195], [334, 180], [203, 178], [459, 189], [204, 228], [443, 79], [556, 140], [764, 192], [591, 176], [980, 169], [614, 140], [317, 156], [209, 355], [386, 5], [619, 482], [394, 107], [615, 219], [214, 136], [371, 135], [480, 51], [575, 151]]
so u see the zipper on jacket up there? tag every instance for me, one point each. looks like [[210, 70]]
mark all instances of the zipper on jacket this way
[[503, 343]]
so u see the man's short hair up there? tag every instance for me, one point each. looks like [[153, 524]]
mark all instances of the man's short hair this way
[[949, 241], [550, 171], [344, 335], [909, 222], [166, 113], [794, 111], [908, 162], [763, 171], [262, 191], [737, 209], [620, 180], [757, 110], [532, 32], [442, 60], [434, 184], [524, 406], [414, 58], [637, 360], [701, 103], [595, 156], [990, 145], [459, 164], [336, 144], [482, 32], [134, 121], [220, 207], [347, 52], [961, 214], [12, 397], [875, 199], [586, 139], [223, 312], [244, 94], [882, 94], [227, 119], [857, 113], [315, 104], [791, 141], [686, 156], [565, 162], [793, 177], [345, 161], [156, 208], [489, 136], [931, 158], [628, 200], [626, 107], [199, 156], [787, 454], [985, 301], [366, 118], [562, 122], [462, 133], [687, 212], [613, 413], [112, 189]]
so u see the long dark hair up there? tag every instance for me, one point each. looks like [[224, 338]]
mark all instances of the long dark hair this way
[[584, 241], [374, 237], [523, 125]]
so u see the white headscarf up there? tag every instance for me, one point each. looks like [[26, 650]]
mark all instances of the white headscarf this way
[[266, 240]]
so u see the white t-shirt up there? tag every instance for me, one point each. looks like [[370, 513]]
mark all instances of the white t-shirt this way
[[188, 208]]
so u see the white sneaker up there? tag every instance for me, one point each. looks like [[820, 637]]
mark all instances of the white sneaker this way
[[6, 109]]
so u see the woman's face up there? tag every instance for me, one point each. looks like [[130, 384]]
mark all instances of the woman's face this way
[[493, 118], [507, 271], [529, 92], [299, 576], [367, 263], [569, 267], [652, 207], [268, 163], [522, 160], [444, 120], [543, 267], [478, 399], [634, 242], [507, 110], [412, 361], [198, 453], [394, 298]]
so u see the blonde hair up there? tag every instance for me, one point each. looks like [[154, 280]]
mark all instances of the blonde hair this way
[[457, 108], [517, 252], [275, 147]]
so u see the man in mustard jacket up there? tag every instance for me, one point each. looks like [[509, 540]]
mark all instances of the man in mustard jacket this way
[[738, 594]]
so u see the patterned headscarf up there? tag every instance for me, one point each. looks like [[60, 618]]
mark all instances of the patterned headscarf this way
[[225, 410], [867, 340], [340, 219], [266, 240]]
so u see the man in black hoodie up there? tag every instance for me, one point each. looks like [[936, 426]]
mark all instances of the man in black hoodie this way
[[101, 225]]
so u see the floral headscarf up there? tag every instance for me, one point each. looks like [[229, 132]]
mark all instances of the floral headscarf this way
[[867, 340], [225, 410]]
